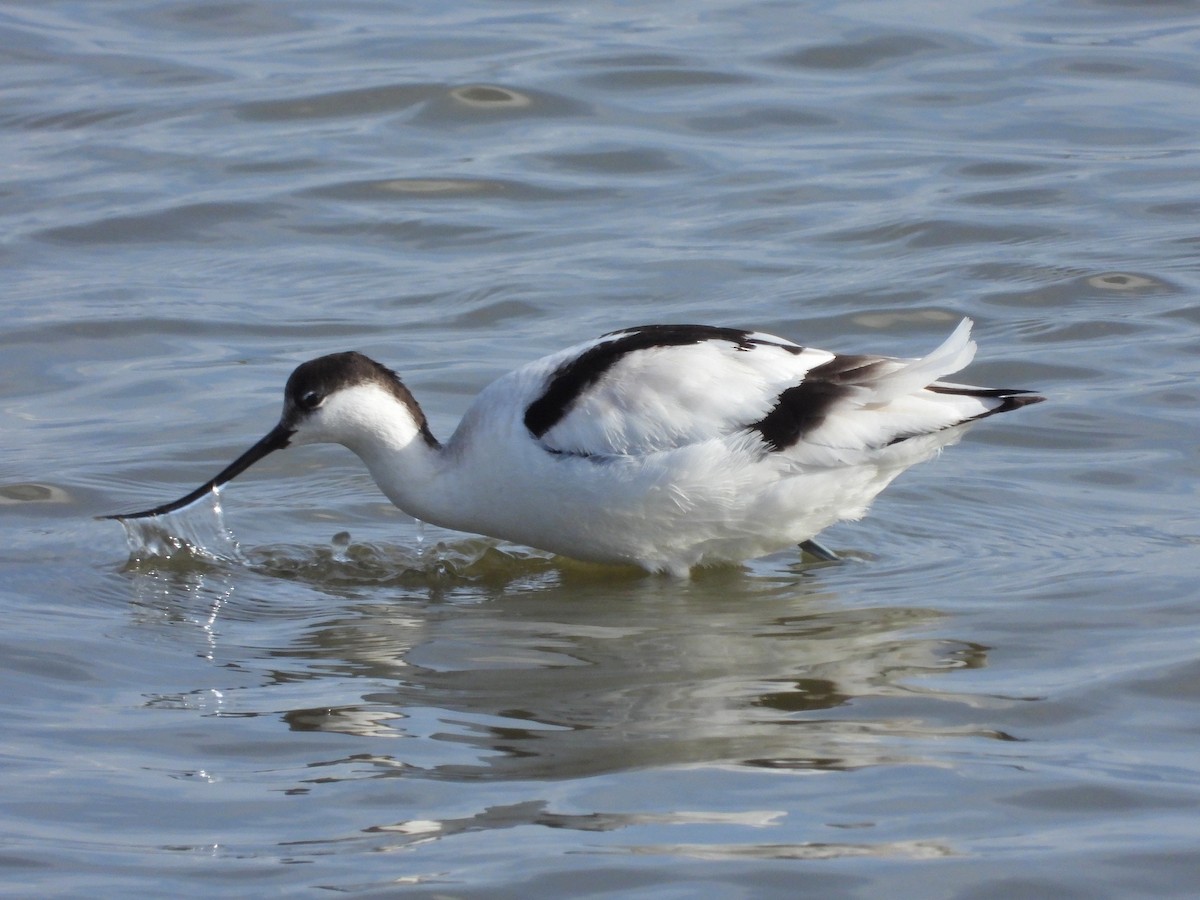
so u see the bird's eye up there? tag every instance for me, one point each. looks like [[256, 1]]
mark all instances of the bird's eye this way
[[310, 400]]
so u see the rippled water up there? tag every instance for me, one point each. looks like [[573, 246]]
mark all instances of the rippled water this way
[[994, 695]]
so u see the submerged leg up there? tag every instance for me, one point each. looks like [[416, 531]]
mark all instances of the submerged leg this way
[[812, 548]]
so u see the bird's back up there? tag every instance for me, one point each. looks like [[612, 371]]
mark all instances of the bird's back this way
[[668, 446]]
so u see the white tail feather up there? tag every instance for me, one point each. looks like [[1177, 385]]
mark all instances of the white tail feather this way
[[953, 354]]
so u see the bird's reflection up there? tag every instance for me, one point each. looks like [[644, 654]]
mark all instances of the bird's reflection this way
[[497, 665]]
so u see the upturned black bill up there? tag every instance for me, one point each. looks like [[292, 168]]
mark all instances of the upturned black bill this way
[[277, 439]]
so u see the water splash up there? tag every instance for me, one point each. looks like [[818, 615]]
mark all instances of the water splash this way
[[345, 564], [339, 544], [195, 541], [197, 532]]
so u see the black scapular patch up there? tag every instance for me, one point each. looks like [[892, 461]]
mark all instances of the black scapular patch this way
[[575, 376]]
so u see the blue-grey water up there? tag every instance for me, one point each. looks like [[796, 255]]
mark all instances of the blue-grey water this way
[[995, 695]]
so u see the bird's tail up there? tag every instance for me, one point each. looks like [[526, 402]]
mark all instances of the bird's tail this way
[[954, 353]]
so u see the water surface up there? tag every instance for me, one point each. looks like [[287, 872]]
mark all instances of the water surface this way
[[994, 695]]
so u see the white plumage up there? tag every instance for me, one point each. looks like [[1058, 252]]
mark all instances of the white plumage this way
[[665, 446]]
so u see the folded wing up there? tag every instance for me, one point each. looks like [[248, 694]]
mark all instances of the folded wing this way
[[657, 388]]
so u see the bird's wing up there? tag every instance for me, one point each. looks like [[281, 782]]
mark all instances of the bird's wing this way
[[660, 387]]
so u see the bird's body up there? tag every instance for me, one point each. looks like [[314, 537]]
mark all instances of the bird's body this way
[[665, 446]]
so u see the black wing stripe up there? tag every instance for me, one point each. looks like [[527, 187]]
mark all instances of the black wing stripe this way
[[801, 409], [798, 411]]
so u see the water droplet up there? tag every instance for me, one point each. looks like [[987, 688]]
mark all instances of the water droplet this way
[[340, 543]]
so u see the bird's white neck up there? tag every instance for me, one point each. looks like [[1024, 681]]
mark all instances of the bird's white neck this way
[[391, 438], [409, 471]]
